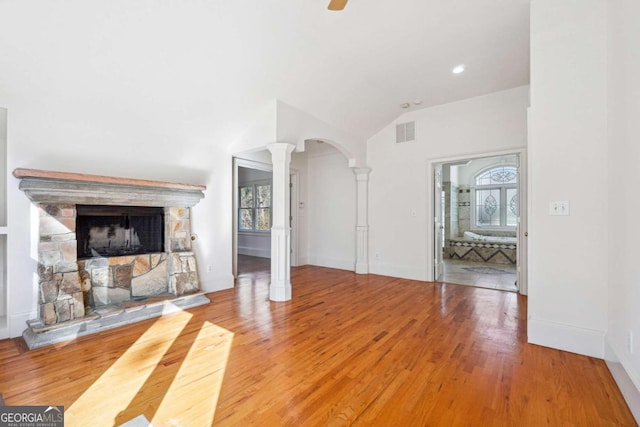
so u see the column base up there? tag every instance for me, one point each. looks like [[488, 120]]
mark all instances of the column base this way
[[280, 292], [362, 268], [362, 249]]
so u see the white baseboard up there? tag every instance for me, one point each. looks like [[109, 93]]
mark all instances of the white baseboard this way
[[588, 342], [262, 253], [362, 268], [340, 264], [400, 271], [627, 379]]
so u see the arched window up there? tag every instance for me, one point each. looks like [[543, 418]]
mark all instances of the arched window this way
[[495, 202]]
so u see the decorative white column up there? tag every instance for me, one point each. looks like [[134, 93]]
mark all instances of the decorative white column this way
[[362, 220], [280, 287]]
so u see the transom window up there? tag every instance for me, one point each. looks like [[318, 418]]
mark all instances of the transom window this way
[[495, 203], [255, 207]]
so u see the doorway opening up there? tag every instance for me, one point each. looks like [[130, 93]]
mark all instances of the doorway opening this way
[[252, 195], [253, 236], [479, 222]]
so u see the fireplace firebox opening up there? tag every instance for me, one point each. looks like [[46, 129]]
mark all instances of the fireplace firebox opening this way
[[110, 231]]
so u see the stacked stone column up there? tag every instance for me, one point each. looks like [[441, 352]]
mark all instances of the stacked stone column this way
[[183, 275], [62, 292]]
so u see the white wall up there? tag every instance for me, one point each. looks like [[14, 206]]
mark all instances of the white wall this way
[[3, 167], [212, 221], [261, 155], [35, 140], [624, 155], [568, 255], [454, 176], [3, 216], [281, 122], [301, 165], [294, 125], [254, 243], [327, 191], [3, 289], [398, 180]]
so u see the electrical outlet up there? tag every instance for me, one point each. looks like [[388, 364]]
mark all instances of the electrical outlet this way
[[209, 268], [376, 257]]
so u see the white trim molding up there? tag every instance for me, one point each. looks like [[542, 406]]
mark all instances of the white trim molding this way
[[561, 336], [329, 262], [627, 379]]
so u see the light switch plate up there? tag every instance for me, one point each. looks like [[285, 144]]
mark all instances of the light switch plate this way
[[559, 208]]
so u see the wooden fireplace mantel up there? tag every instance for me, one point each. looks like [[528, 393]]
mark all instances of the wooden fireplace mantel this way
[[44, 186], [71, 176]]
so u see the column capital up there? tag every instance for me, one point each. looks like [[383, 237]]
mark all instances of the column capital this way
[[362, 174], [281, 147]]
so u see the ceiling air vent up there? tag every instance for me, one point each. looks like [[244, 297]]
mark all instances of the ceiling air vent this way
[[405, 132]]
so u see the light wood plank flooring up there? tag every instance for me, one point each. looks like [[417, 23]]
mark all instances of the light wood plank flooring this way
[[347, 350]]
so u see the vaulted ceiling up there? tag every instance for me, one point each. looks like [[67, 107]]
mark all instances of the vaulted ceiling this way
[[203, 69]]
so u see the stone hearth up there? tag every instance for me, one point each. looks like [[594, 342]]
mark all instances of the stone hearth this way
[[72, 290]]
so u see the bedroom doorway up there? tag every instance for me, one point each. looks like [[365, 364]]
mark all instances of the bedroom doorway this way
[[478, 222]]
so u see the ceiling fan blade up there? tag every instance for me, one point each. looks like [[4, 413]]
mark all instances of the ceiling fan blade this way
[[337, 4]]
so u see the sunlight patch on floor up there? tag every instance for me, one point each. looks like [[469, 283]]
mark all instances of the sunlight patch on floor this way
[[101, 403], [193, 395]]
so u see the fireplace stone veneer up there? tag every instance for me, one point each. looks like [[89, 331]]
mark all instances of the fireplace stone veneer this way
[[69, 287], [72, 289]]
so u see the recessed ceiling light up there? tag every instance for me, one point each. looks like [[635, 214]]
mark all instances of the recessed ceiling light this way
[[405, 105], [417, 101], [458, 69]]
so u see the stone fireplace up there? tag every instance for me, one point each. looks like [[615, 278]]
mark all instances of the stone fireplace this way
[[109, 245]]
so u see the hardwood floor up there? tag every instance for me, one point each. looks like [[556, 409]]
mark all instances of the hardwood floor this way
[[254, 266], [347, 350]]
